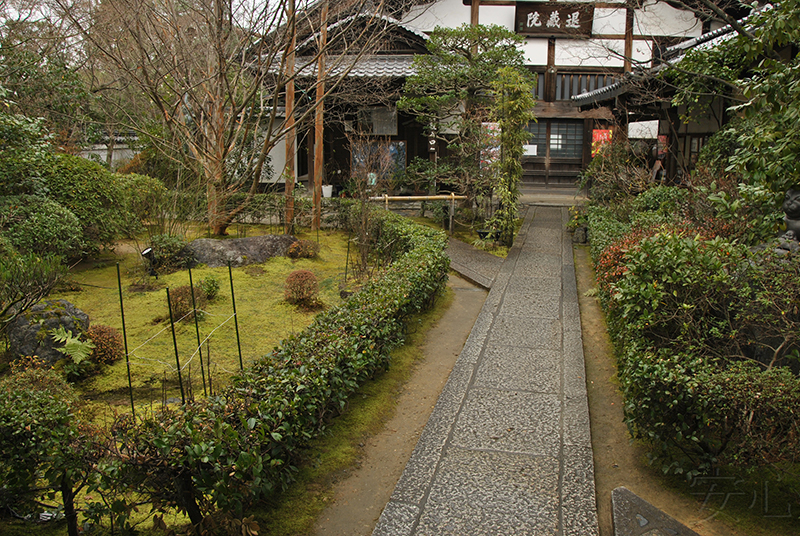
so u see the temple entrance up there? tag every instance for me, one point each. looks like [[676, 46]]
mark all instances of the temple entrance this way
[[554, 156]]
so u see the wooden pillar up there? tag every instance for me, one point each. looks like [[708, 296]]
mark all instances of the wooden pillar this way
[[291, 134], [475, 6], [319, 121], [628, 39]]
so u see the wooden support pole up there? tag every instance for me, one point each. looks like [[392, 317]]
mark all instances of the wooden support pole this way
[[474, 17], [628, 39], [319, 115], [291, 135]]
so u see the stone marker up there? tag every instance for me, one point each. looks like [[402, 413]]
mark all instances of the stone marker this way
[[633, 516]]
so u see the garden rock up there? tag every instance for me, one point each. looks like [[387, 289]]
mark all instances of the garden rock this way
[[579, 235], [239, 251], [29, 335]]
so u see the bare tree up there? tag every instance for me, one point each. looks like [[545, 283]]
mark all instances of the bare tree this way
[[214, 73], [373, 172]]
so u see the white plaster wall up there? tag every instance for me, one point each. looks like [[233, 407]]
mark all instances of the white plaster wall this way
[[500, 15], [654, 18], [716, 25], [642, 53], [643, 130], [277, 157], [121, 155], [535, 50], [657, 18], [608, 21], [453, 13], [590, 52], [449, 13]]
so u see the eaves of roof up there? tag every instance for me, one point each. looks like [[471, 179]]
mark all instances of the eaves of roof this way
[[604, 93], [675, 53], [371, 66], [670, 56]]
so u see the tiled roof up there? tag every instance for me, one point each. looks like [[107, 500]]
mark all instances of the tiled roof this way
[[372, 66], [675, 53], [670, 56], [603, 93]]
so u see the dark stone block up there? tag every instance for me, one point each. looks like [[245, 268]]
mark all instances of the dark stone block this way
[[633, 516], [239, 251], [29, 335]]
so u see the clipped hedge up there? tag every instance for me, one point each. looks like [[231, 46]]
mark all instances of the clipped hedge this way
[[40, 226], [232, 449], [707, 332], [92, 193]]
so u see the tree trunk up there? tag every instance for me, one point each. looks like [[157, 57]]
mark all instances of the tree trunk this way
[[218, 218], [68, 499], [187, 500]]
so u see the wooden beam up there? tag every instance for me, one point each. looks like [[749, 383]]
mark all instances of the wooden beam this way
[[628, 39]]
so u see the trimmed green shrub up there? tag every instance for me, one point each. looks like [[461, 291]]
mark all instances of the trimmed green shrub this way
[[24, 151], [229, 451], [302, 288], [705, 328], [92, 193], [41, 226], [170, 252], [303, 249], [145, 199], [667, 200], [210, 287], [604, 229], [48, 451]]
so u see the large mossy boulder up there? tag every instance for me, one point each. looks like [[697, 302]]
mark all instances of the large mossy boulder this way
[[239, 251], [29, 334]]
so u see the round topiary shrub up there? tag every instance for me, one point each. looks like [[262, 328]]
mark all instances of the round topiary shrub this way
[[302, 289], [303, 249], [38, 225], [108, 346], [92, 193]]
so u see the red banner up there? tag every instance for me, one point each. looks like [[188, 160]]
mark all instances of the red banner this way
[[600, 137]]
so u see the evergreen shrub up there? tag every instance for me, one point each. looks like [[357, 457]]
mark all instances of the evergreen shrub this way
[[707, 331], [230, 450], [170, 252], [41, 226]]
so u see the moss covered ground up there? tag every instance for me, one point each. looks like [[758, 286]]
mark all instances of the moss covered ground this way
[[263, 316]]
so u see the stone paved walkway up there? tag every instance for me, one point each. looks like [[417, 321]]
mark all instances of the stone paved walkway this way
[[474, 265], [507, 449]]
